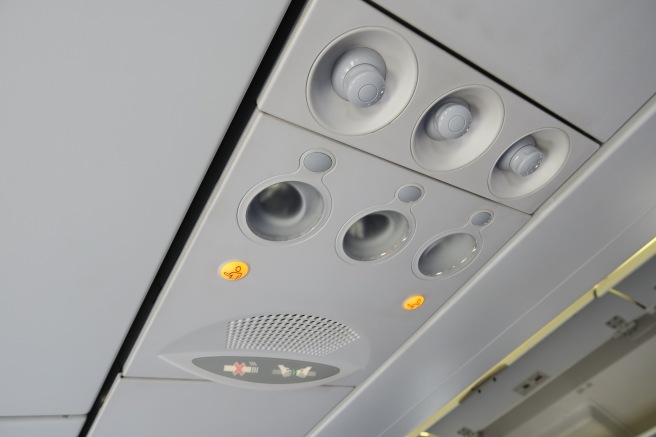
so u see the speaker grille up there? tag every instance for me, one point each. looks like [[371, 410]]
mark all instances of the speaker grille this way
[[311, 335]]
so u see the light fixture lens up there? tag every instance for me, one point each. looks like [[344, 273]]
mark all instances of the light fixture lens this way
[[285, 210], [376, 235], [448, 255]]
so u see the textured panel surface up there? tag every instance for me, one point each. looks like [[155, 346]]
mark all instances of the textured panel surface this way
[[298, 333]]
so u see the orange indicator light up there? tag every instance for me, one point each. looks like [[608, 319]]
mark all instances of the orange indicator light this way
[[233, 270], [413, 302]]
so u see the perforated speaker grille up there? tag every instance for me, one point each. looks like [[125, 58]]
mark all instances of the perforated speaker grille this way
[[311, 335]]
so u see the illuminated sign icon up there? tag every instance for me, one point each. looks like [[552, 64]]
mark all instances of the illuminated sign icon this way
[[305, 371], [414, 302], [233, 270], [265, 370], [241, 368], [286, 372]]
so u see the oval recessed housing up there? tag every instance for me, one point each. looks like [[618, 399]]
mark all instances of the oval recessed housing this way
[[448, 255], [376, 235], [285, 210]]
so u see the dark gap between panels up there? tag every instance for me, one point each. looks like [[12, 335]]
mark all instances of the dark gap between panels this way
[[479, 69], [214, 171]]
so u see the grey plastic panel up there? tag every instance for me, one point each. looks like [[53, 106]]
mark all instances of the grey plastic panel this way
[[48, 426], [152, 407], [110, 114], [592, 62], [572, 246], [311, 276], [420, 77]]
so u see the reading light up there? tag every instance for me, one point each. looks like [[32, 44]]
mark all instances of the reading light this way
[[448, 255], [285, 210], [376, 235]]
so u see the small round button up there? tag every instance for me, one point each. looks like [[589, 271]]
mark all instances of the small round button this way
[[409, 194], [368, 93], [318, 162], [457, 124]]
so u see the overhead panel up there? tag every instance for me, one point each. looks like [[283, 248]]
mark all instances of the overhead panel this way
[[304, 258], [110, 114], [363, 79], [563, 252], [380, 175], [591, 62]]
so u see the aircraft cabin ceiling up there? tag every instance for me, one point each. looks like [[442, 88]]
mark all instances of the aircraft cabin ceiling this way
[[322, 217]]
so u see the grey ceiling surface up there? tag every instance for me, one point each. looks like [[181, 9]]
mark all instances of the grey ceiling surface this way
[[109, 115], [592, 62]]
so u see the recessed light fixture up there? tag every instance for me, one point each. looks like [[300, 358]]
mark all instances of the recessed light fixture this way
[[376, 235], [448, 255]]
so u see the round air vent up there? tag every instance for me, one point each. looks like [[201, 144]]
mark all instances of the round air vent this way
[[457, 128], [529, 163], [362, 81]]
